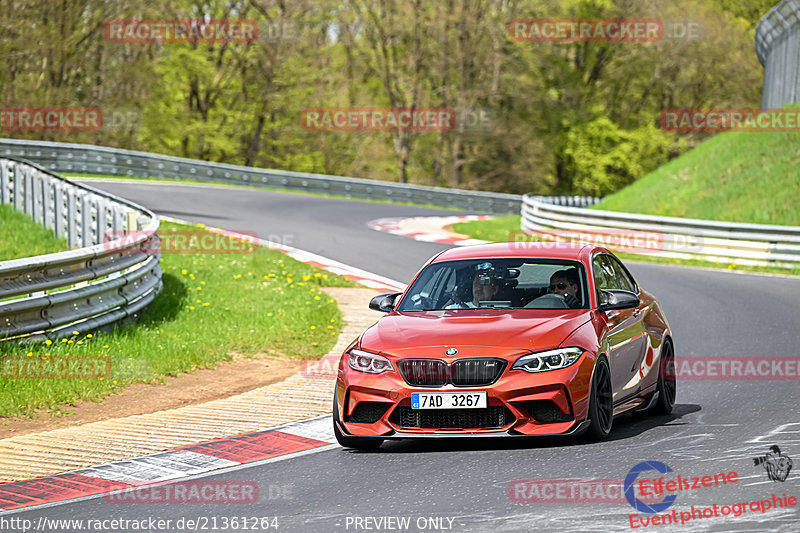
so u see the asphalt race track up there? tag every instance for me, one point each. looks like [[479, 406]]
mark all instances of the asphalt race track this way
[[718, 426]]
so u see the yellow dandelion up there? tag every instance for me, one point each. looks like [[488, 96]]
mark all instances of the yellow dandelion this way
[[317, 275], [333, 320], [191, 276], [291, 286], [63, 340], [314, 344], [330, 327], [191, 308], [202, 283], [48, 342], [197, 301], [237, 276], [308, 302], [227, 308], [89, 336], [105, 346], [79, 342], [30, 354], [330, 300], [75, 333], [206, 304], [306, 277], [70, 342], [317, 298], [313, 327], [269, 314], [115, 382], [184, 271]]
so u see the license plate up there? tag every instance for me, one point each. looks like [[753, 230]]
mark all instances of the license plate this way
[[448, 400]]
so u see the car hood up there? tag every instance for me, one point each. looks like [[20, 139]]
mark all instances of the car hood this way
[[484, 332]]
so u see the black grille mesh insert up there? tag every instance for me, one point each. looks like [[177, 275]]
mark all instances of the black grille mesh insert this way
[[490, 417], [546, 412], [368, 412]]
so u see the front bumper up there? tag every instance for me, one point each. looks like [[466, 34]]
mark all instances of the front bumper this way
[[542, 404]]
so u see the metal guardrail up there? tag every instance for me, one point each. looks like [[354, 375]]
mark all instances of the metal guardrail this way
[[83, 158], [777, 41], [683, 238], [49, 296]]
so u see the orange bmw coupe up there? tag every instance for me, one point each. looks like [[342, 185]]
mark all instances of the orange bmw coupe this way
[[508, 339]]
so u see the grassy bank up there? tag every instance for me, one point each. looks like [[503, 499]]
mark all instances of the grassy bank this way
[[738, 177], [212, 307], [21, 237]]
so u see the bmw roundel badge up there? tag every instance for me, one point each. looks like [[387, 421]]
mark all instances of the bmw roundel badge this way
[[451, 351]]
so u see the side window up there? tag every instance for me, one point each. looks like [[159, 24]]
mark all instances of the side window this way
[[603, 275], [624, 280], [602, 279]]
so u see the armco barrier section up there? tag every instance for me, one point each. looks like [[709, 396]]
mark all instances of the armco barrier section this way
[[83, 158], [683, 238], [100, 282], [778, 48]]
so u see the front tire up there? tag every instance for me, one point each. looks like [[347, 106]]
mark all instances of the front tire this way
[[667, 383], [359, 443], [601, 402]]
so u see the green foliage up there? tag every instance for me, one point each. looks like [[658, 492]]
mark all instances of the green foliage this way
[[737, 177], [240, 103], [602, 158]]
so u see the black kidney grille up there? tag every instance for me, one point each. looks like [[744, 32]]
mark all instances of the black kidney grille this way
[[461, 373], [476, 372], [424, 372], [490, 417]]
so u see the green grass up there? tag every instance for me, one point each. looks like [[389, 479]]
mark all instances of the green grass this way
[[22, 237], [212, 306], [503, 229], [265, 188], [735, 176]]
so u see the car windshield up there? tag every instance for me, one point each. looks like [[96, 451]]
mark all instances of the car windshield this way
[[504, 283]]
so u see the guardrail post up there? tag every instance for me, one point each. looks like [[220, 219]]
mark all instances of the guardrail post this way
[[18, 188], [86, 220], [72, 218], [47, 202], [59, 213], [102, 220], [37, 197], [5, 185], [29, 193], [132, 221]]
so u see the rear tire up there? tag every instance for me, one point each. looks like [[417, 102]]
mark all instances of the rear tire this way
[[667, 384], [359, 443], [601, 402]]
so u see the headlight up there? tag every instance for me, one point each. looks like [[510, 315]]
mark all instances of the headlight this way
[[371, 363], [549, 360]]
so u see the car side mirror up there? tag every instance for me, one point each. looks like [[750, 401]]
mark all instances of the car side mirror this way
[[618, 299], [384, 302]]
